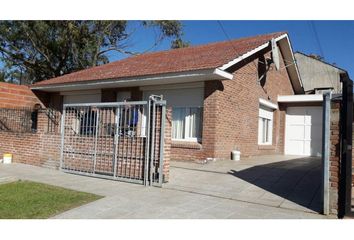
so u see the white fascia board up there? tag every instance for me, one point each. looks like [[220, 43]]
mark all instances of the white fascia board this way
[[244, 56], [250, 53], [300, 98], [268, 104], [222, 73], [189, 76], [292, 54]]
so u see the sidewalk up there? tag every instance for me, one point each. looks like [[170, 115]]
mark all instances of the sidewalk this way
[[125, 200]]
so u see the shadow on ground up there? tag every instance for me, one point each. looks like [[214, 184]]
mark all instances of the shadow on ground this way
[[296, 180]]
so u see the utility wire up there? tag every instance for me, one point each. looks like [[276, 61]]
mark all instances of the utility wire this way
[[229, 39], [317, 40], [313, 27]]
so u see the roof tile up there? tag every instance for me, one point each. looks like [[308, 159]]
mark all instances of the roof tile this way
[[200, 57]]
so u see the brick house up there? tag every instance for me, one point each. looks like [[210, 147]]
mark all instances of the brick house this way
[[223, 96], [245, 94]]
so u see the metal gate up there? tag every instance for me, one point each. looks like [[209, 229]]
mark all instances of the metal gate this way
[[120, 141]]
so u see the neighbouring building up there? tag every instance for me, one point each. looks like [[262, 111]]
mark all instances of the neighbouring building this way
[[318, 75]]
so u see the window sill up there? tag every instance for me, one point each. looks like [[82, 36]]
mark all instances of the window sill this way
[[266, 147], [186, 144]]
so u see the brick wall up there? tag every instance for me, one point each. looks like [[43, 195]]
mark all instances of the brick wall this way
[[230, 117], [13, 95], [42, 148], [32, 148], [334, 158], [167, 145]]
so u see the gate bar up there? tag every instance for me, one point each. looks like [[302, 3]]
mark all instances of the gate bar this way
[[115, 141], [106, 104], [162, 141], [147, 143], [96, 136], [152, 153], [62, 129]]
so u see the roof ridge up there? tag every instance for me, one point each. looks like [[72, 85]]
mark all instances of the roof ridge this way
[[209, 44]]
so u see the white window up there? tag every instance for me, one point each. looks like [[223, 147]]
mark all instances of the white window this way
[[187, 123], [265, 125], [186, 101]]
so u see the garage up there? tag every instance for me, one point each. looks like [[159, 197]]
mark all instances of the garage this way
[[303, 131]]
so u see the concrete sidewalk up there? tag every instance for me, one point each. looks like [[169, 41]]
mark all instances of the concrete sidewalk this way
[[289, 182], [125, 200]]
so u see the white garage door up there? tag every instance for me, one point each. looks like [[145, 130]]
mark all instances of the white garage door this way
[[303, 131]]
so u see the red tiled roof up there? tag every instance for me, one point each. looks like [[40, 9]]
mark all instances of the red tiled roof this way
[[200, 57]]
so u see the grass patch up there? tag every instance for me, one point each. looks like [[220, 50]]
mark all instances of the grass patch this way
[[26, 199]]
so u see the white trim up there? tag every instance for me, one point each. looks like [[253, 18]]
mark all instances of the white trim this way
[[187, 121], [222, 73], [268, 104], [300, 98], [294, 60], [193, 140], [268, 127], [244, 56], [293, 74], [172, 86], [168, 78], [250, 53]]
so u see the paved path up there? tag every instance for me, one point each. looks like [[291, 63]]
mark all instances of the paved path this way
[[124, 200]]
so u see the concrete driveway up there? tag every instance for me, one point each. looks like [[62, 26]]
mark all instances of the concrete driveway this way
[[287, 182], [221, 189]]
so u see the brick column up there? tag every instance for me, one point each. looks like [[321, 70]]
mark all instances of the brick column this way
[[334, 158], [167, 144]]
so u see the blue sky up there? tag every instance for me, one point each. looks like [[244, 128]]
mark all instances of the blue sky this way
[[335, 37]]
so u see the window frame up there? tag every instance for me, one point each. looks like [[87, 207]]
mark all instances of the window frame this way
[[265, 123], [266, 132], [187, 120]]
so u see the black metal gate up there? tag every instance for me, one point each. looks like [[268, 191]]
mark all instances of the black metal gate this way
[[121, 140]]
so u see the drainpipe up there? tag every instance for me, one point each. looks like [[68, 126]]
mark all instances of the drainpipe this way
[[326, 149]]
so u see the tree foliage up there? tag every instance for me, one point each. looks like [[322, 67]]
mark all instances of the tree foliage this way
[[38, 50], [2, 76]]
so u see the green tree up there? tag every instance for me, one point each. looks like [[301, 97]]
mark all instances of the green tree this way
[[2, 76], [38, 50], [179, 43]]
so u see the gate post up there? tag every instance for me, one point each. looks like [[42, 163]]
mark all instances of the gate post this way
[[326, 124], [345, 180]]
